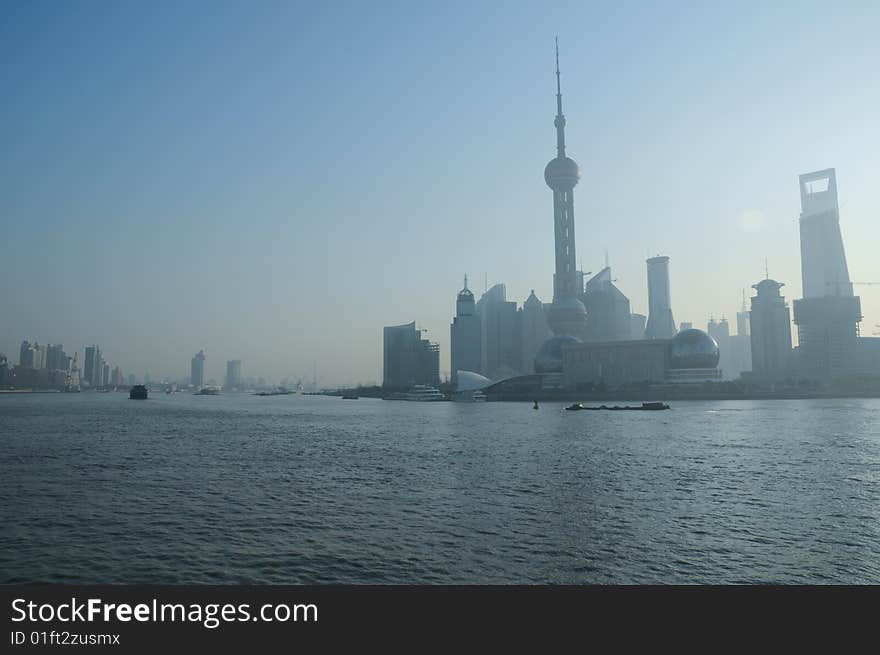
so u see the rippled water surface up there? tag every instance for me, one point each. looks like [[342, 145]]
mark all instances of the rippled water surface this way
[[291, 489]]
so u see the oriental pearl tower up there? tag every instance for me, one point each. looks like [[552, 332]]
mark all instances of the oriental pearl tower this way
[[566, 316]]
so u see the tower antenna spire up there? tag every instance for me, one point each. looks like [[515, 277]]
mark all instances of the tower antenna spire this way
[[560, 118]]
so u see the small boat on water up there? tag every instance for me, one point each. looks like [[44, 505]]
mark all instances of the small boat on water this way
[[138, 392], [643, 407], [209, 390], [280, 391]]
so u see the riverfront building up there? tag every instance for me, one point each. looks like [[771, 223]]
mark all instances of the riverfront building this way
[[407, 359]]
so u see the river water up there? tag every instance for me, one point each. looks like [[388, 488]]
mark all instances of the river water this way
[[97, 488]]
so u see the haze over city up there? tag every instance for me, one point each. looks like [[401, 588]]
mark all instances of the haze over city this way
[[275, 184]]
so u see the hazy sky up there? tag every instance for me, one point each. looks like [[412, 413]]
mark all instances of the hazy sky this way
[[276, 181]]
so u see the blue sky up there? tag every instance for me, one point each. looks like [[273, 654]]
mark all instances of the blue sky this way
[[276, 181]]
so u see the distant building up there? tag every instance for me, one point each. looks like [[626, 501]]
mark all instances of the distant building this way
[[534, 331], [197, 369], [233, 375], [740, 345], [720, 331], [105, 375], [40, 353], [770, 328], [869, 359], [90, 365], [465, 334], [407, 359], [32, 355], [660, 325], [637, 326], [116, 378], [5, 372], [56, 358], [26, 355], [500, 351], [608, 309], [132, 379]]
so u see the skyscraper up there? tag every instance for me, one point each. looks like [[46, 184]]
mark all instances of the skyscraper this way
[[566, 316], [534, 330], [660, 325], [823, 260], [465, 334], [770, 327], [500, 351], [828, 315], [608, 311], [197, 369], [233, 375]]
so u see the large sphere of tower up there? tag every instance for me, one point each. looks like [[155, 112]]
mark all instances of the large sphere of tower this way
[[562, 173]]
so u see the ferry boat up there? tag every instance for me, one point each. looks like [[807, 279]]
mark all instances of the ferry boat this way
[[209, 390], [423, 392]]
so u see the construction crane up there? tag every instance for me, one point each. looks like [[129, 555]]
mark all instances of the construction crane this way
[[852, 284]]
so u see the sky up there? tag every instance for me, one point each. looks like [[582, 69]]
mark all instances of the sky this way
[[276, 181]]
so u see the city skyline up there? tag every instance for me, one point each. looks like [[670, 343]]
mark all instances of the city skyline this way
[[174, 249]]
